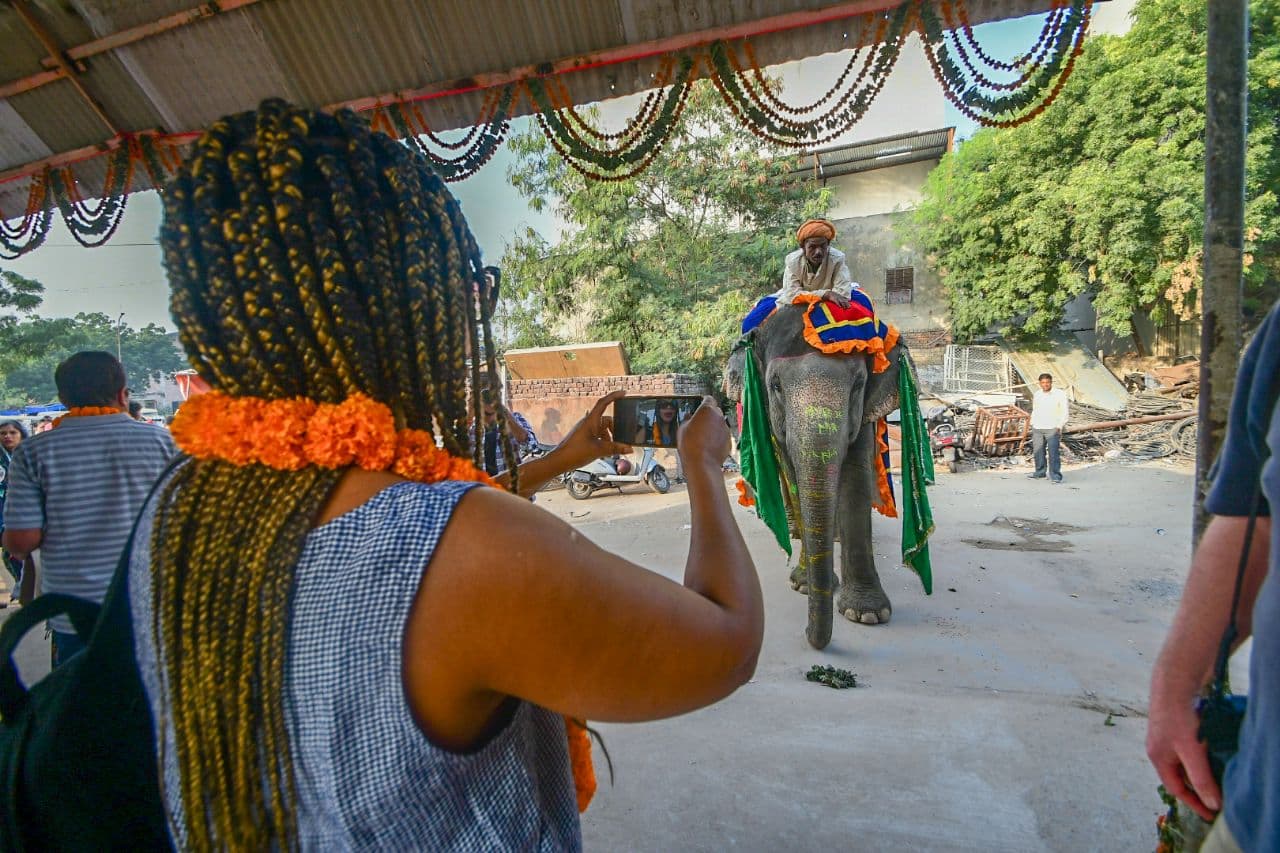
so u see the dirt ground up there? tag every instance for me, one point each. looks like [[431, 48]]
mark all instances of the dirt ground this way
[[1003, 713]]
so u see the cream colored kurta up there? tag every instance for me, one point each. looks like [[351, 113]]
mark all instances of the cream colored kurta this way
[[832, 275]]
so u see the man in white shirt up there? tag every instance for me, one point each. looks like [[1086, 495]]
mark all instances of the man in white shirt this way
[[1049, 412], [816, 267]]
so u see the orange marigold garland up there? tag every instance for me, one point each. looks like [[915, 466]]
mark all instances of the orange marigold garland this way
[[294, 433], [88, 412], [584, 772]]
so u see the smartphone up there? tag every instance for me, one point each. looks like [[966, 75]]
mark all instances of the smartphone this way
[[652, 421]]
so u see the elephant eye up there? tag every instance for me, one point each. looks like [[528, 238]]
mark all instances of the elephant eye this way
[[776, 385]]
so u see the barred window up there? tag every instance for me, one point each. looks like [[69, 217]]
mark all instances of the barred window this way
[[899, 283]]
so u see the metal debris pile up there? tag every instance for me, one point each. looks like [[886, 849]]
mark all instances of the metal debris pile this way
[[1175, 437]]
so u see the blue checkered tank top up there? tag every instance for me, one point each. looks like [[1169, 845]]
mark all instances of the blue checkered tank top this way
[[367, 777]]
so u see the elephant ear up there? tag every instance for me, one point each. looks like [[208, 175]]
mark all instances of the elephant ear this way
[[882, 388], [733, 372]]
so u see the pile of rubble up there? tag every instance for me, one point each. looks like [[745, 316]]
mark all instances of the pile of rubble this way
[[1152, 426], [1166, 426]]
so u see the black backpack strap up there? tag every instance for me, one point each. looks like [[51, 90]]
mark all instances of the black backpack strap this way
[[83, 615]]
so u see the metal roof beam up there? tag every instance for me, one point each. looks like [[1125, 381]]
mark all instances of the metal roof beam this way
[[57, 63], [60, 59]]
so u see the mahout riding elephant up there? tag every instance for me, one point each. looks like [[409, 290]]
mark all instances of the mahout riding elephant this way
[[823, 410]]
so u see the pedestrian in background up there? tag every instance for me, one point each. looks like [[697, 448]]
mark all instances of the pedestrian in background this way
[[1049, 412], [75, 489], [11, 435]]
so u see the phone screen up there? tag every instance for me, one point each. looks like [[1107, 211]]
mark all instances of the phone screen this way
[[652, 421]]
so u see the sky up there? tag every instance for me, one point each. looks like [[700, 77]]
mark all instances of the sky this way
[[125, 275]]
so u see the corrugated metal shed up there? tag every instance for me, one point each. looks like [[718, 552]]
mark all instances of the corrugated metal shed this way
[[877, 153], [1074, 369], [321, 52]]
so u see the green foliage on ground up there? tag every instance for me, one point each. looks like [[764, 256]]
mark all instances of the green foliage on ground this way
[[667, 262], [1103, 194], [31, 346]]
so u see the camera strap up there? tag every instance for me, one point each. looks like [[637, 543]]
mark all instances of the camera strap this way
[[1219, 685], [1229, 636]]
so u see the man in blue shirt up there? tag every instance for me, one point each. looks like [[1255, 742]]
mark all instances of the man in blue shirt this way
[[1248, 807]]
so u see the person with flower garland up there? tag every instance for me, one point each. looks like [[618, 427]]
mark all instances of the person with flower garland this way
[[406, 659], [74, 490]]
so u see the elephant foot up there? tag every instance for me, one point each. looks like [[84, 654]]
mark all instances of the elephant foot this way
[[800, 580], [865, 608]]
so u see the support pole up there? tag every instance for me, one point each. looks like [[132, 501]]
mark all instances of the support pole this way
[[1222, 292]]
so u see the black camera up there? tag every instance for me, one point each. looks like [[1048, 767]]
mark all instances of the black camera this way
[[1221, 715]]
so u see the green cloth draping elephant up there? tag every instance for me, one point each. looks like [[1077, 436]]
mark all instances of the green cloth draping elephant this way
[[822, 411]]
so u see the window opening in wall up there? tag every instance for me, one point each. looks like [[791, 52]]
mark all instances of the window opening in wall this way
[[899, 284]]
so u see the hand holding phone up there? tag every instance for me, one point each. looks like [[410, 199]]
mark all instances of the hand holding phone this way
[[653, 421], [704, 436]]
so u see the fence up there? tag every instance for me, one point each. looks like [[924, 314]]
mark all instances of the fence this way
[[972, 370]]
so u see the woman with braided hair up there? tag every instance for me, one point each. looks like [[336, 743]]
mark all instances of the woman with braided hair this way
[[392, 664]]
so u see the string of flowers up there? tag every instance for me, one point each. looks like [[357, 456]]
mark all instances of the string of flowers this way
[[34, 226], [88, 412], [770, 125], [959, 63], [58, 190], [1030, 63], [635, 127], [1022, 105], [486, 136], [765, 88], [1052, 21], [636, 148]]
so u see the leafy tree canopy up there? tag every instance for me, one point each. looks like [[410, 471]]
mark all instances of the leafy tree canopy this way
[[31, 347], [667, 262], [1103, 193]]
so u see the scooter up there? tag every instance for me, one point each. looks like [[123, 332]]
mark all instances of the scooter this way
[[945, 440], [617, 471]]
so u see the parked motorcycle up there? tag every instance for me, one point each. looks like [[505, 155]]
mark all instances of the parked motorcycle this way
[[945, 440], [617, 471]]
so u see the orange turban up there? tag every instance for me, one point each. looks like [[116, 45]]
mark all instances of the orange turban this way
[[816, 228]]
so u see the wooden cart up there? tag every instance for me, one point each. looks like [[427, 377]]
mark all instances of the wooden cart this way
[[1000, 430]]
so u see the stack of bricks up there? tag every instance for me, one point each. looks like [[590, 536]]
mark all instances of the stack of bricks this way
[[553, 406], [927, 345]]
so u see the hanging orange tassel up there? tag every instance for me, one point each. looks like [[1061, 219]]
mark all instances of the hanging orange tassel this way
[[584, 773]]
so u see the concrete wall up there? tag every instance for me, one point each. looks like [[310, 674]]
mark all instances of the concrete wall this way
[[871, 246], [878, 191]]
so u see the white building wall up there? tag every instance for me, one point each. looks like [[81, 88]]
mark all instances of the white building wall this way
[[879, 191]]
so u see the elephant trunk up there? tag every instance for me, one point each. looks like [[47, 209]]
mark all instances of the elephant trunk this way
[[818, 459]]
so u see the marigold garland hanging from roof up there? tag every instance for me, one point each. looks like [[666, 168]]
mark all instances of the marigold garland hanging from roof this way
[[967, 73]]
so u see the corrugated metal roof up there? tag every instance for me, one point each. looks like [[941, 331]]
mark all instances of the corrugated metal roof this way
[[319, 52], [877, 153], [1074, 369]]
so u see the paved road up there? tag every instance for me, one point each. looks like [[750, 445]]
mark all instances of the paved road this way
[[982, 722]]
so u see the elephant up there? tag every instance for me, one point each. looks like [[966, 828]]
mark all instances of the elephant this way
[[821, 411]]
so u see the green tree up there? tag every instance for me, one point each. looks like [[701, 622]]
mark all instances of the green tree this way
[[31, 347], [1103, 193], [667, 262]]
